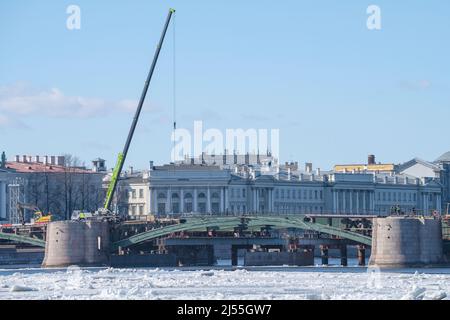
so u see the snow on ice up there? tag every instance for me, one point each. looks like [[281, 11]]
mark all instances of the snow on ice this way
[[265, 283]]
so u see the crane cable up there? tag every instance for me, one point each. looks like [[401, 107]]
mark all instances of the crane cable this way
[[174, 92]]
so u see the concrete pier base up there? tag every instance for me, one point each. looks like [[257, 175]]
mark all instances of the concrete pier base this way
[[77, 243], [406, 242], [344, 261], [324, 255], [264, 258], [361, 255]]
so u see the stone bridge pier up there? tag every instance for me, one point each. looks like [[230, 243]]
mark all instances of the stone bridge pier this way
[[77, 243], [406, 242]]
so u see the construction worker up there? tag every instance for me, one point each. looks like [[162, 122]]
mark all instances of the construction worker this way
[[82, 216]]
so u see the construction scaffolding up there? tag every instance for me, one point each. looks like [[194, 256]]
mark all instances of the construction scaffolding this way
[[16, 191]]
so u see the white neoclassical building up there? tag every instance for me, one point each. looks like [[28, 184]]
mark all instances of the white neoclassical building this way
[[3, 194], [211, 189]]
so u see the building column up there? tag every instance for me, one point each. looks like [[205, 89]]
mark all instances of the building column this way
[[271, 200], [181, 200], [334, 201], [344, 207], [222, 207], [372, 207], [208, 201], [226, 200], [424, 205], [438, 203], [154, 203], [195, 200], [351, 200], [364, 201], [357, 202], [3, 200], [254, 200], [168, 201]]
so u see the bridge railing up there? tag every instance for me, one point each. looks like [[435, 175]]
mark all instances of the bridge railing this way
[[264, 214]]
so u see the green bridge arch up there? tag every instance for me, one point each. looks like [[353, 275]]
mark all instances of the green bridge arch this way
[[219, 223], [228, 223], [22, 239]]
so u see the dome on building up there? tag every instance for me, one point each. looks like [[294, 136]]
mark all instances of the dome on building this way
[[444, 158]]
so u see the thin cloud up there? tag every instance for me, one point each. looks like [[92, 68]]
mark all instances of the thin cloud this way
[[21, 101], [6, 121], [254, 117], [416, 85]]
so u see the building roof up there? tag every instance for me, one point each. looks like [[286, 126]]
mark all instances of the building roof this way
[[414, 161], [362, 167], [444, 158], [194, 167], [30, 167]]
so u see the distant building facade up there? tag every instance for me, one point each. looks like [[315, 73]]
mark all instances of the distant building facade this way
[[55, 184], [3, 193], [438, 169], [267, 188]]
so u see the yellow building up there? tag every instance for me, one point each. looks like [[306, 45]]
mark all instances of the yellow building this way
[[371, 166]]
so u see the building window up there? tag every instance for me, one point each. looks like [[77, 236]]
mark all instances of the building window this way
[[141, 193], [414, 197], [282, 193], [276, 194], [315, 195], [133, 210], [133, 193], [141, 210], [310, 194], [321, 197], [161, 195], [243, 193], [232, 192], [288, 194], [299, 194]]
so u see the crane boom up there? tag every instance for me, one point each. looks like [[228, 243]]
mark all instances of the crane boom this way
[[122, 156]]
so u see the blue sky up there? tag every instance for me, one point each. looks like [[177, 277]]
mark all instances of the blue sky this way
[[336, 90]]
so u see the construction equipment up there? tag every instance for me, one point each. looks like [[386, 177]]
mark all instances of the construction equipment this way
[[38, 215], [122, 156]]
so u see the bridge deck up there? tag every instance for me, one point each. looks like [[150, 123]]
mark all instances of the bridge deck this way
[[229, 223], [198, 241]]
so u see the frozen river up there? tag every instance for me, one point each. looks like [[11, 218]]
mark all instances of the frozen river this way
[[224, 283]]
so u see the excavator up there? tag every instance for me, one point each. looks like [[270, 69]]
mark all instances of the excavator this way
[[106, 213], [38, 216]]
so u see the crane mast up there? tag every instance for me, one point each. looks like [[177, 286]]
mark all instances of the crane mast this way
[[122, 156]]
